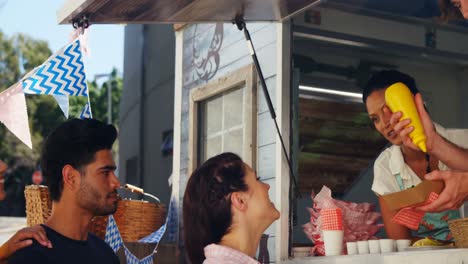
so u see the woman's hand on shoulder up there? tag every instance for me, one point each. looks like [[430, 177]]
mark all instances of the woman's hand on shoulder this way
[[23, 238]]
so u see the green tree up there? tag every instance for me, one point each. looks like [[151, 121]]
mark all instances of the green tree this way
[[19, 55], [99, 99]]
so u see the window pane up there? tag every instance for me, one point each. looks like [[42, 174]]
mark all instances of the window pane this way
[[213, 115], [233, 108], [233, 141], [212, 147], [221, 124]]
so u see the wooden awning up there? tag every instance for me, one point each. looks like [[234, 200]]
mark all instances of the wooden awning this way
[[179, 11]]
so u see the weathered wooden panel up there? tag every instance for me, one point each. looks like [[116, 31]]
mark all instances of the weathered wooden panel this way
[[272, 191], [266, 130], [202, 64], [262, 106], [329, 110], [337, 181], [337, 141], [211, 51], [315, 161], [266, 161], [352, 148]]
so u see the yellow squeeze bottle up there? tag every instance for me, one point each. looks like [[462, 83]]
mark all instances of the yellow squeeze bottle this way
[[398, 97]]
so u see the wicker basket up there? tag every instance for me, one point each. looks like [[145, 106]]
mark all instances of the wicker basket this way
[[135, 219], [459, 229], [38, 204]]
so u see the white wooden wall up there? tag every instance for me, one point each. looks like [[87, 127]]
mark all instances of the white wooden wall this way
[[233, 55]]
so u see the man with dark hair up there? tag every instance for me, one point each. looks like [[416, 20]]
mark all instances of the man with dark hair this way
[[78, 166]]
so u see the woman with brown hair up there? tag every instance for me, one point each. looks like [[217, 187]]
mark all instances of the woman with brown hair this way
[[453, 9], [226, 209]]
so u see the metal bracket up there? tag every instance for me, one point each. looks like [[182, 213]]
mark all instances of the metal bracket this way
[[81, 22]]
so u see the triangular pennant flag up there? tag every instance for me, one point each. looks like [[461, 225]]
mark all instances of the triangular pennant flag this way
[[154, 237], [62, 100], [131, 259], [14, 114], [62, 74], [83, 36], [86, 112], [113, 237], [172, 224]]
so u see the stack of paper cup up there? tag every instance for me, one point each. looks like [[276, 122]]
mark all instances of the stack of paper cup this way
[[352, 248], [387, 245], [374, 246], [332, 228], [402, 244], [363, 247]]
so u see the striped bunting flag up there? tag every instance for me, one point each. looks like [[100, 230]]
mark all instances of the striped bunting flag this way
[[14, 114], [154, 237], [132, 259], [62, 74], [113, 237], [62, 100], [115, 241], [86, 112]]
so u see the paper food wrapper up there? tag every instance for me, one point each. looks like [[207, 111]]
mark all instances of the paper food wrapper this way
[[359, 220], [413, 196], [411, 217]]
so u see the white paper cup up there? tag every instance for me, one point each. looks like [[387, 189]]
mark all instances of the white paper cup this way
[[387, 245], [352, 248], [333, 241], [374, 246], [363, 247], [402, 244]]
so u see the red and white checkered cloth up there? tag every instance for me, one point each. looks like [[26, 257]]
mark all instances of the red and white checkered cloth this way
[[332, 219], [410, 217]]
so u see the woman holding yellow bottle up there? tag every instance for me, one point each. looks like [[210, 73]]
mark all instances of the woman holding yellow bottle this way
[[400, 167]]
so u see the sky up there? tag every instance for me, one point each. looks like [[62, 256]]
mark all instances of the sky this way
[[38, 19]]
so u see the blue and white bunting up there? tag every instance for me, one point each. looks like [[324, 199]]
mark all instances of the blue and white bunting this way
[[172, 223], [86, 112], [131, 259], [63, 102], [62, 74], [113, 237], [115, 241], [156, 236]]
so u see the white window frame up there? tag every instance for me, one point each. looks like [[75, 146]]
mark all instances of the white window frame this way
[[245, 76]]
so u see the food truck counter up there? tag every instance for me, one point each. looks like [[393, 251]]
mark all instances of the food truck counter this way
[[441, 256]]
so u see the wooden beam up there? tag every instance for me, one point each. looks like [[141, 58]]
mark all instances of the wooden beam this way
[[180, 11], [314, 161], [333, 111], [336, 130], [340, 148]]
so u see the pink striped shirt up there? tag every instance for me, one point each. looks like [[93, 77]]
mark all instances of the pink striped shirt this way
[[216, 254]]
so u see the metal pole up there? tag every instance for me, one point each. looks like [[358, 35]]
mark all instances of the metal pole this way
[[109, 100], [239, 21]]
